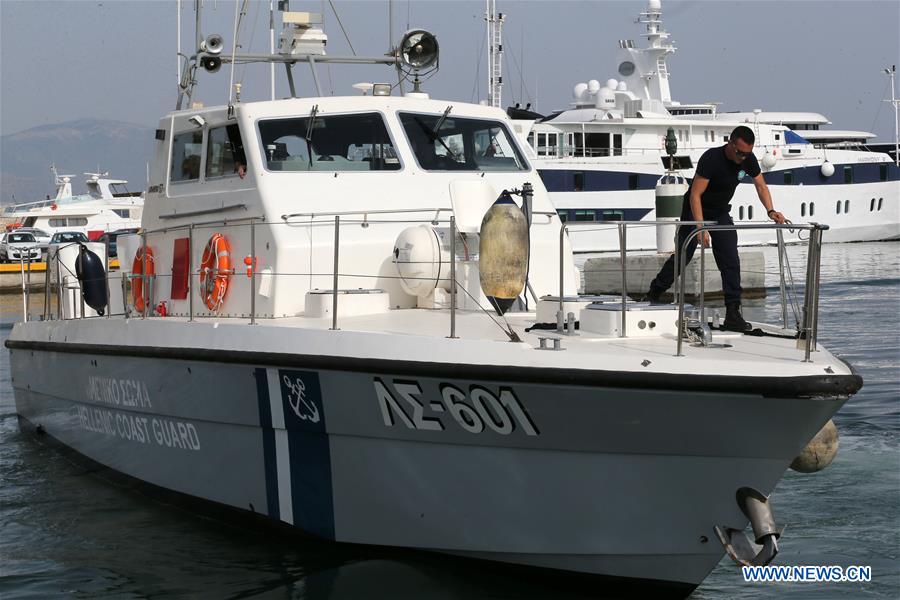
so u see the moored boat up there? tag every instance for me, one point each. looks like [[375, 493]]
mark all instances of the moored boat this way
[[107, 206], [601, 158], [310, 331]]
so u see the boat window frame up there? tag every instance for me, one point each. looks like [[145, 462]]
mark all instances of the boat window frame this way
[[207, 146], [201, 175], [517, 147], [321, 114]]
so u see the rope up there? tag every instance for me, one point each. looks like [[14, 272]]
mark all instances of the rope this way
[[346, 36], [476, 87], [250, 45]]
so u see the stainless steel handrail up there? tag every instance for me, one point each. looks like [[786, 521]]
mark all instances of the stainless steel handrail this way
[[452, 278], [812, 282], [337, 245], [622, 252], [810, 306], [385, 211]]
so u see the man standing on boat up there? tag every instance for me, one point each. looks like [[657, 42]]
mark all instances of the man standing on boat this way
[[719, 171]]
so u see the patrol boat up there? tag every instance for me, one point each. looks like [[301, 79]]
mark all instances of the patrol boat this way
[[358, 316]]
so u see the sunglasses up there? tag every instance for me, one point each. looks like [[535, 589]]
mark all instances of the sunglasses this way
[[740, 153]]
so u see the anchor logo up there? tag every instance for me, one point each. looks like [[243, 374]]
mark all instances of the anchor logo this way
[[303, 408]]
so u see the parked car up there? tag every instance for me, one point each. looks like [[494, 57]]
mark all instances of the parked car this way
[[16, 246], [68, 237], [110, 238], [42, 237]]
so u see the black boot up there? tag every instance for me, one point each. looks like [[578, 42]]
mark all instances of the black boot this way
[[734, 321]]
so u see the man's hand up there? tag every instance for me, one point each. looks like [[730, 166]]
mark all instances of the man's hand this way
[[776, 216], [704, 239]]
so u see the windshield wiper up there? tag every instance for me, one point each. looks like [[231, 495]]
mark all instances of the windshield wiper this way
[[433, 132], [309, 133]]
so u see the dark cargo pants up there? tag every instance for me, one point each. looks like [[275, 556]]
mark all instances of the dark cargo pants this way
[[724, 247]]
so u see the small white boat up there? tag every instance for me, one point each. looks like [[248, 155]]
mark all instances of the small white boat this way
[[314, 333], [107, 206]]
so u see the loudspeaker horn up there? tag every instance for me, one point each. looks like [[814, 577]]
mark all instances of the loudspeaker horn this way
[[214, 44], [211, 63]]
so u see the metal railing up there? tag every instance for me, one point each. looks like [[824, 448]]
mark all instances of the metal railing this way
[[808, 329]]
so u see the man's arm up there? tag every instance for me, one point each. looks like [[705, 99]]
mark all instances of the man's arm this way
[[697, 188], [762, 190]]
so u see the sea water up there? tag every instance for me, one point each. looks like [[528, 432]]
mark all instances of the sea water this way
[[68, 532]]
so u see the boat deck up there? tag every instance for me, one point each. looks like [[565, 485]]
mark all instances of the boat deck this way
[[418, 335]]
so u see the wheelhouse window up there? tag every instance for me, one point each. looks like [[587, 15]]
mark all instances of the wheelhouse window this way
[[187, 148], [224, 151], [462, 144], [358, 142]]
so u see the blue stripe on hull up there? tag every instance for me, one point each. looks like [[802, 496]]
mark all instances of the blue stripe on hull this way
[[268, 433], [588, 180], [310, 452]]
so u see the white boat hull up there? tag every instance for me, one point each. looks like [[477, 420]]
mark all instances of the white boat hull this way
[[608, 478]]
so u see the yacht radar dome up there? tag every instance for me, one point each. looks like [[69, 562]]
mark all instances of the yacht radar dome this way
[[580, 93]]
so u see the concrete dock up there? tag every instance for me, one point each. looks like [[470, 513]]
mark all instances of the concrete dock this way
[[603, 275]]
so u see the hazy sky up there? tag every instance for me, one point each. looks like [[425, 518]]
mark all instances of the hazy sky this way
[[116, 59]]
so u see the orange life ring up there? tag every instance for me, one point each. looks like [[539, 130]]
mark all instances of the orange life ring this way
[[215, 271], [142, 265]]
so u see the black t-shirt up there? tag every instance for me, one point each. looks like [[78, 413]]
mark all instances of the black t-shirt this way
[[724, 176]]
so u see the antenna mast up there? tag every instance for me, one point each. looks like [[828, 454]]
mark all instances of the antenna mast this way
[[495, 52], [272, 47], [896, 103]]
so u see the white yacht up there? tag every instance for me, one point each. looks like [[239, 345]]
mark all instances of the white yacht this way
[[107, 206], [601, 159], [310, 328]]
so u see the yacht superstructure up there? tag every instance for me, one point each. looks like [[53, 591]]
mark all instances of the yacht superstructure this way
[[602, 158], [107, 206]]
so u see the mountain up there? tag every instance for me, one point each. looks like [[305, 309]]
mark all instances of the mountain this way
[[75, 147]]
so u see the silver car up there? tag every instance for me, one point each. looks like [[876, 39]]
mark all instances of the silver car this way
[[41, 237], [17, 246]]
